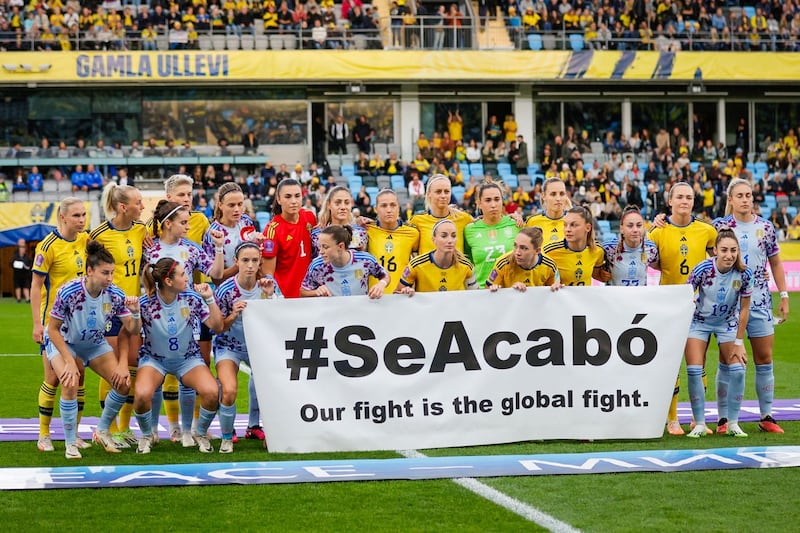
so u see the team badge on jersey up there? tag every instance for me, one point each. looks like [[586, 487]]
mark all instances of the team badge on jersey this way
[[185, 312], [388, 247]]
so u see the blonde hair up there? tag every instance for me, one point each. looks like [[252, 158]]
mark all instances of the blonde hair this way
[[114, 195], [64, 206], [429, 186], [175, 180], [325, 210]]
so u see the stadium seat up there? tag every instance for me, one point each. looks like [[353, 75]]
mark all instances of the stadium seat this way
[[289, 42], [369, 181], [749, 12], [347, 170], [576, 42], [262, 42], [549, 41], [263, 218], [476, 169], [218, 41], [204, 42], [384, 182], [791, 210], [458, 192], [373, 194], [397, 181], [232, 41], [504, 168], [248, 42], [355, 183], [275, 42], [510, 180], [694, 166], [533, 168], [535, 41]]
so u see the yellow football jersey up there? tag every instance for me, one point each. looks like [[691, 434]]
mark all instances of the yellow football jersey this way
[[552, 228], [392, 249], [575, 267], [506, 272], [59, 261], [425, 222], [126, 247], [425, 275], [681, 248]]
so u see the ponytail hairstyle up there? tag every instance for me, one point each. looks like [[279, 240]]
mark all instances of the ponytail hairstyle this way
[[535, 234], [586, 215], [154, 274], [735, 182], [97, 254], [429, 186], [276, 207], [629, 209], [340, 234], [727, 233], [325, 211], [114, 195], [165, 210], [224, 189]]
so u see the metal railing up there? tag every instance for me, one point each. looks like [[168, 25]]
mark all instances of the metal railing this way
[[426, 32]]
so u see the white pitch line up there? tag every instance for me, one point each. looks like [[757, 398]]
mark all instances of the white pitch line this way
[[522, 509]]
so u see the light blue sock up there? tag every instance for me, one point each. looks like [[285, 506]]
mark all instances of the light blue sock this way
[[697, 393], [765, 388], [155, 407], [254, 411], [114, 402], [735, 391], [204, 421], [723, 383], [186, 399], [227, 416], [145, 422], [69, 419]]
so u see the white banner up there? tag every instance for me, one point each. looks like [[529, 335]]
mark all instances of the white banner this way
[[466, 368]]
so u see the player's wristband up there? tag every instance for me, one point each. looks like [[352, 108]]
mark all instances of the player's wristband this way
[[136, 316], [210, 301], [219, 250], [784, 294], [738, 342]]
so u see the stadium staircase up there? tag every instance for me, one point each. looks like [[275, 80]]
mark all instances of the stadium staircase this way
[[495, 35]]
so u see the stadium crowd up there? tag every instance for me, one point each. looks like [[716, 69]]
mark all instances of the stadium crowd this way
[[608, 24]]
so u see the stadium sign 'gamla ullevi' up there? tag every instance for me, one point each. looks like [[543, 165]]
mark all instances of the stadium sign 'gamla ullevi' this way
[[161, 65]]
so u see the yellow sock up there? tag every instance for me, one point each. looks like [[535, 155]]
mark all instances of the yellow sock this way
[[81, 401], [47, 399], [127, 410], [673, 405], [103, 390], [171, 404]]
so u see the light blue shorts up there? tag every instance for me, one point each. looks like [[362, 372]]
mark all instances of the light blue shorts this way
[[702, 331], [760, 323], [84, 352], [223, 354], [177, 366]]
